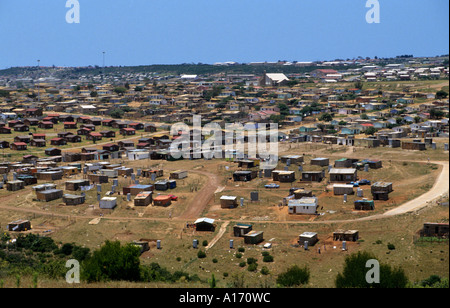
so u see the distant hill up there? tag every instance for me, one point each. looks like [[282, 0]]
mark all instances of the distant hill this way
[[197, 69]]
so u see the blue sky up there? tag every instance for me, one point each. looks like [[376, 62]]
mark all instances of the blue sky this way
[[142, 32]]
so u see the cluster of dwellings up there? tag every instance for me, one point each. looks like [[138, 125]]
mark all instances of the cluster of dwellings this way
[[46, 175], [243, 97]]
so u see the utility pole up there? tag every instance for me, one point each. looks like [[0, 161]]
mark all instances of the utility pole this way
[[39, 98]]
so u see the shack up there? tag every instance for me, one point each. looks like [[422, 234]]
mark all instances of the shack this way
[[75, 185], [381, 190], [244, 176], [253, 237], [343, 175], [228, 202], [205, 224], [364, 205], [346, 235], [69, 199], [313, 176], [19, 225], [283, 176], [124, 171], [294, 159], [310, 237], [301, 193], [98, 178], [148, 173], [414, 146], [178, 175], [49, 175], [323, 162], [162, 185], [15, 185], [343, 189], [305, 205], [162, 201], [49, 195], [108, 203], [239, 230], [136, 189], [430, 229], [143, 199]]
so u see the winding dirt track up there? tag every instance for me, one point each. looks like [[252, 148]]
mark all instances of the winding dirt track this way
[[204, 196]]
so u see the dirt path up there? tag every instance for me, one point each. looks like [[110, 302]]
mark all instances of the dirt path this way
[[219, 235], [202, 198]]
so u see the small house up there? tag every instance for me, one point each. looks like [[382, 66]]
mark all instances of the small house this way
[[178, 175], [108, 203], [18, 146], [312, 176], [381, 190], [300, 193], [205, 224], [228, 202], [75, 185], [323, 162], [143, 198], [98, 178], [310, 237], [346, 235], [49, 195], [15, 185], [163, 201], [343, 175], [244, 176], [364, 205], [283, 176], [439, 230], [53, 152], [343, 189], [136, 189], [254, 237], [239, 230], [69, 199], [305, 205], [19, 226]]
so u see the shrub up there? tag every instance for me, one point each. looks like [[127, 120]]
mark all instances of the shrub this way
[[268, 258], [251, 261], [214, 260], [265, 270], [252, 267], [265, 253], [205, 243], [113, 262], [225, 274], [294, 276], [355, 271], [201, 254], [178, 259], [391, 246], [241, 249], [238, 255]]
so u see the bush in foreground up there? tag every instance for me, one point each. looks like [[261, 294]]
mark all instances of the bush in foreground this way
[[294, 276]]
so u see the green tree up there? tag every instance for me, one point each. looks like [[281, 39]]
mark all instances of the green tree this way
[[326, 117], [113, 262], [294, 276], [441, 94], [370, 131], [355, 271]]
